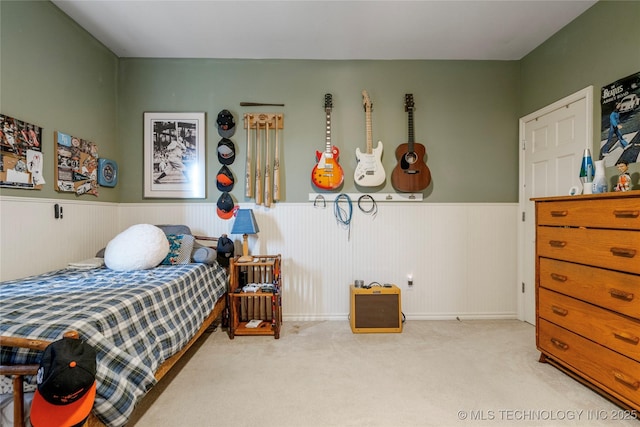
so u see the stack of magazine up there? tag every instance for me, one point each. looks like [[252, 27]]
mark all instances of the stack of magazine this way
[[255, 287]]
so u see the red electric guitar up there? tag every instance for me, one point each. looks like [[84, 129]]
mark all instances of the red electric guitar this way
[[327, 174], [411, 174]]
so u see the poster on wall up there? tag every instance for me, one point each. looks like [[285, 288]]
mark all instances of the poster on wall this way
[[174, 155], [21, 162], [76, 168], [620, 136]]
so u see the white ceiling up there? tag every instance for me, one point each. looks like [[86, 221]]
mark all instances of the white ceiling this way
[[308, 29]]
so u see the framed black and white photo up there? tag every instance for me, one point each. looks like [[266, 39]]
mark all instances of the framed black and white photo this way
[[174, 155]]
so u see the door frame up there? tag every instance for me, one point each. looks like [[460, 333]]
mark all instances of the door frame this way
[[587, 94]]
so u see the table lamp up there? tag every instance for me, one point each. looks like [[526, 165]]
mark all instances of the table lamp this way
[[245, 224]]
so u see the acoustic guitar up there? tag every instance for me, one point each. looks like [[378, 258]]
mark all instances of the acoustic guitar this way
[[369, 170], [327, 174], [411, 174]]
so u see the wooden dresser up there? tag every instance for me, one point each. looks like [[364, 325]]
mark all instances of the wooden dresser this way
[[588, 290]]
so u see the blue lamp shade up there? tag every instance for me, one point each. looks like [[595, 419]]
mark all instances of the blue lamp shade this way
[[245, 224]]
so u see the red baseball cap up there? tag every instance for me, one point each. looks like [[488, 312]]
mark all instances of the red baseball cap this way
[[226, 208], [224, 179], [66, 384]]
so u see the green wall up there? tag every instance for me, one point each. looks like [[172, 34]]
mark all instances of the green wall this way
[[465, 115], [56, 76], [599, 47]]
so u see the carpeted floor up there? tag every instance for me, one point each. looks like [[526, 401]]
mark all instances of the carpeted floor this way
[[319, 374]]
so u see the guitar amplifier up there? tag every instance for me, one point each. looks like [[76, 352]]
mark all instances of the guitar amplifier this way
[[375, 309]]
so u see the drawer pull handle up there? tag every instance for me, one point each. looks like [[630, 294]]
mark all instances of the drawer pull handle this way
[[559, 244], [559, 277], [617, 293], [559, 311], [624, 379], [559, 344], [626, 214], [625, 336], [559, 213], [623, 252]]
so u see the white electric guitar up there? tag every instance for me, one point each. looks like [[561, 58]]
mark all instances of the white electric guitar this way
[[369, 170]]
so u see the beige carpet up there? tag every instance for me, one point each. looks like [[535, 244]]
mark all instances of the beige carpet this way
[[319, 374]]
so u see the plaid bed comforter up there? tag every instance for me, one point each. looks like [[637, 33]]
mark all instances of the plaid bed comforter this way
[[135, 320]]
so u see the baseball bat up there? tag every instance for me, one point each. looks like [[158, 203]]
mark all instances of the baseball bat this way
[[276, 167], [249, 171], [259, 190], [259, 104], [267, 171]]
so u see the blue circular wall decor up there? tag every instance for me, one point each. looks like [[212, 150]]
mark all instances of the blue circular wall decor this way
[[107, 173]]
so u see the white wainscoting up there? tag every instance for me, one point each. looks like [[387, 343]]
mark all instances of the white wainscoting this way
[[32, 241], [462, 256]]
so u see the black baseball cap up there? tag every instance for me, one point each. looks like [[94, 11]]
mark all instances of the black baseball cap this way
[[226, 151], [225, 250], [225, 206], [66, 384], [224, 179], [226, 124]]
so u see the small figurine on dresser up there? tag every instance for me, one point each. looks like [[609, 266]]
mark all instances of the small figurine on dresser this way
[[624, 179]]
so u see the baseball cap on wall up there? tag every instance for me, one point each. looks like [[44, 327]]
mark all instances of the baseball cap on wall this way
[[225, 206], [226, 124], [224, 179], [226, 151], [66, 384]]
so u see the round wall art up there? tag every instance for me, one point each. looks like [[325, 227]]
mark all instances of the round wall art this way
[[107, 173]]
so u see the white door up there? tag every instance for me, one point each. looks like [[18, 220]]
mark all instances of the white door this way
[[552, 141]]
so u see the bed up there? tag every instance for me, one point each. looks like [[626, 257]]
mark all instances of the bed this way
[[140, 322]]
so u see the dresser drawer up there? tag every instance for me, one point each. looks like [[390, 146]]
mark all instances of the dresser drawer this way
[[613, 249], [612, 330], [623, 213], [611, 371], [609, 289]]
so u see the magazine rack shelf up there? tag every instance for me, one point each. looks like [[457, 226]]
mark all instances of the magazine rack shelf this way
[[259, 312]]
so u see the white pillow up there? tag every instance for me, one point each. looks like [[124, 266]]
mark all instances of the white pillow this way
[[139, 247]]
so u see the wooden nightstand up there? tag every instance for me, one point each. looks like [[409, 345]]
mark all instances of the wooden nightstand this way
[[262, 307]]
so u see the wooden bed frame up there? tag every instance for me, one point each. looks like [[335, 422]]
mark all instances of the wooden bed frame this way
[[18, 371], [218, 310]]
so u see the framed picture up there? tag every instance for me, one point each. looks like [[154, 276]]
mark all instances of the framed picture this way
[[174, 155], [21, 162]]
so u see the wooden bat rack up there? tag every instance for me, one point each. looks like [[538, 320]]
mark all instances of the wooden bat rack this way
[[262, 179], [260, 120]]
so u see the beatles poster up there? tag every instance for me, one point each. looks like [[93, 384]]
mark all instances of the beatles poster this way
[[21, 163], [76, 165], [620, 137]]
